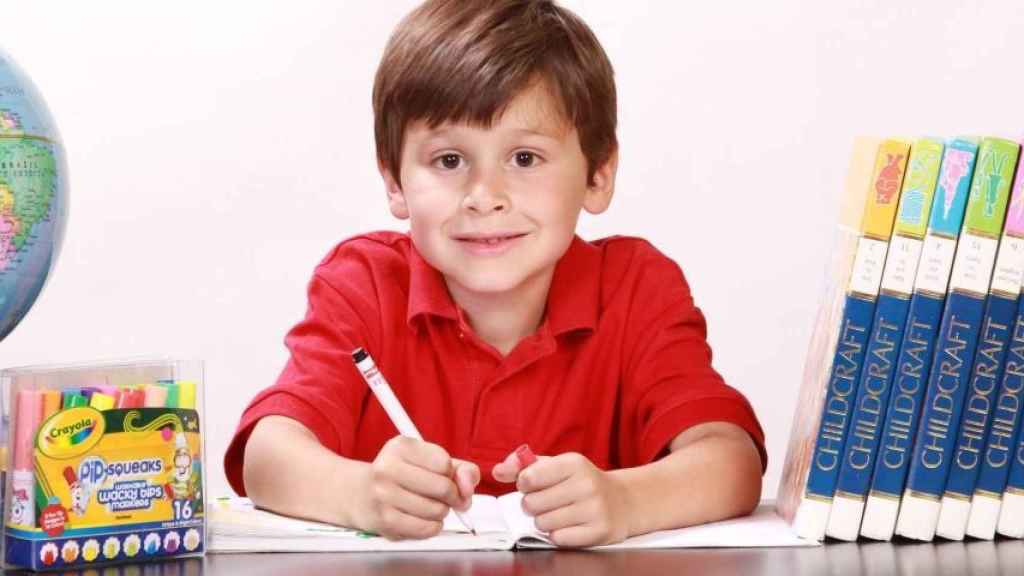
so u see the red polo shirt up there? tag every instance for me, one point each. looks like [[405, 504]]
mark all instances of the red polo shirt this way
[[618, 367]]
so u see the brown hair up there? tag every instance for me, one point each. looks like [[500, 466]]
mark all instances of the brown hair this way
[[465, 60]]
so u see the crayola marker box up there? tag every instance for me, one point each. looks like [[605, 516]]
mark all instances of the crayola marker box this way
[[105, 463]]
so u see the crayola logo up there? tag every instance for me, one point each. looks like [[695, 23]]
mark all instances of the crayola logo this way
[[70, 433]]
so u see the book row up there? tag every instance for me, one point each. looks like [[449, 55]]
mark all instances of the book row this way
[[909, 412]]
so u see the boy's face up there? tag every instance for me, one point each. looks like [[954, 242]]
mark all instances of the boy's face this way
[[494, 209]]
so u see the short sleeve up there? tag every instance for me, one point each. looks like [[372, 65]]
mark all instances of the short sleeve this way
[[669, 382], [320, 386]]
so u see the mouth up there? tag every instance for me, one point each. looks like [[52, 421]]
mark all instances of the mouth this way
[[488, 244], [492, 239]]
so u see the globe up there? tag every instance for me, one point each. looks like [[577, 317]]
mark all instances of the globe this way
[[33, 194]]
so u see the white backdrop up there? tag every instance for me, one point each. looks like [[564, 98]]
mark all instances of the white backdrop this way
[[217, 150]]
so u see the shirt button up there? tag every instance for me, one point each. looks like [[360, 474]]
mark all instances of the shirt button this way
[[461, 336]]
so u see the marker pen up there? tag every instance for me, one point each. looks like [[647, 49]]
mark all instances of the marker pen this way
[[112, 391], [73, 399], [525, 456], [155, 396], [51, 403], [28, 412], [101, 401], [399, 417], [172, 394], [187, 395], [131, 398]]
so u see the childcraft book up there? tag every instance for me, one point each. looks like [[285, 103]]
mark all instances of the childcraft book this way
[[238, 526]]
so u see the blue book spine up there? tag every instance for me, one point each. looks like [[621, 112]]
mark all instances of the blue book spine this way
[[872, 395], [842, 387], [1015, 479], [904, 410], [1009, 422], [974, 424], [943, 405], [1006, 416]]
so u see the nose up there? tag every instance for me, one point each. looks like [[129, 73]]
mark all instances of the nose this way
[[486, 191]]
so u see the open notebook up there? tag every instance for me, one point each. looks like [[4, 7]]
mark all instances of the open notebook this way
[[235, 525]]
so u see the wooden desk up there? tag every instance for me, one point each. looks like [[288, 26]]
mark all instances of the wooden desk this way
[[1003, 558]]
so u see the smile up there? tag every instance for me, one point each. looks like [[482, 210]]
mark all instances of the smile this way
[[490, 244]]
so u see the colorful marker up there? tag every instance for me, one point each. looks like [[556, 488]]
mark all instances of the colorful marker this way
[[74, 399], [172, 393], [131, 398], [399, 417], [187, 395], [155, 396], [101, 401], [28, 412], [526, 456], [51, 403]]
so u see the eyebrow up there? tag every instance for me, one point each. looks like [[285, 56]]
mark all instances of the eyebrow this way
[[445, 130]]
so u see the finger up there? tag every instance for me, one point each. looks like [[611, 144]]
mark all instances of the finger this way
[[416, 505], [467, 476], [429, 456], [548, 499], [547, 472], [397, 525], [428, 484], [508, 470], [576, 536], [560, 518]]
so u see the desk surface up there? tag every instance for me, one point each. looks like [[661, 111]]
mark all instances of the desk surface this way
[[1003, 558]]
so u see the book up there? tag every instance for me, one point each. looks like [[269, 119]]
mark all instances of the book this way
[[997, 324], [958, 339], [914, 363], [825, 332], [1011, 513], [235, 525], [1002, 432], [887, 330], [822, 415]]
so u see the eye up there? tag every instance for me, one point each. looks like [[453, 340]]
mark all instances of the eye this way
[[448, 161], [525, 159]]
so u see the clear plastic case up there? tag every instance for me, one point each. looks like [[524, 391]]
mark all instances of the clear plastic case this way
[[104, 463]]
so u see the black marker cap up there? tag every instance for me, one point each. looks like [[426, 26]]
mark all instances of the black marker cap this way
[[358, 355]]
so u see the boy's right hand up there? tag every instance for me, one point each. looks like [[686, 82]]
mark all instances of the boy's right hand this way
[[410, 487]]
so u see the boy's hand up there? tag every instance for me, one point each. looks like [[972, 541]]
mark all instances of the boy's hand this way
[[410, 487], [577, 503]]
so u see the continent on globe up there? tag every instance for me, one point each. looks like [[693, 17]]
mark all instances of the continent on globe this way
[[33, 203], [28, 172]]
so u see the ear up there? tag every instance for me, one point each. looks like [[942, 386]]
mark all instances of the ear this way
[[396, 197], [602, 186]]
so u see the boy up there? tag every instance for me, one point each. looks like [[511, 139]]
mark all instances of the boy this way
[[493, 322]]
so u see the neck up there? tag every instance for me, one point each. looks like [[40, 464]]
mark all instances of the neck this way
[[503, 320]]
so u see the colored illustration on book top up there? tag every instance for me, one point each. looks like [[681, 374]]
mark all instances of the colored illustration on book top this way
[[889, 179], [1015, 215], [954, 169], [996, 162], [920, 179]]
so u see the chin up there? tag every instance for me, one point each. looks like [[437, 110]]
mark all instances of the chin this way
[[488, 283]]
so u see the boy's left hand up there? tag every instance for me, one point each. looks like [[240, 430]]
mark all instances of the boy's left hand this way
[[577, 503]]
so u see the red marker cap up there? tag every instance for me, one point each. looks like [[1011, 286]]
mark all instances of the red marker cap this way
[[525, 456]]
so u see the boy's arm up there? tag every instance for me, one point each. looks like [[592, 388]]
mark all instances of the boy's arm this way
[[404, 493], [285, 469], [713, 472]]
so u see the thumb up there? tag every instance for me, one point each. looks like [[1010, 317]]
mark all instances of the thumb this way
[[467, 476], [508, 470]]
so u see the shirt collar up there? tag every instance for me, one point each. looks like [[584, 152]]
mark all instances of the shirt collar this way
[[573, 298], [428, 293]]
